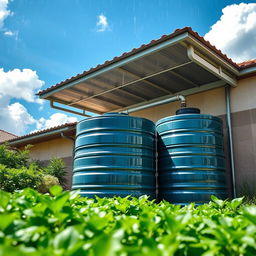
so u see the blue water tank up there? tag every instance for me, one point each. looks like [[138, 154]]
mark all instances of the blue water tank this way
[[115, 156], [191, 164]]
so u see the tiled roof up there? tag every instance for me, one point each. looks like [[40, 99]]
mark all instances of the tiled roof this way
[[141, 48], [247, 64], [43, 131], [4, 136]]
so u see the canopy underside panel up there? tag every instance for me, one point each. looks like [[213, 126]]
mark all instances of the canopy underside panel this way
[[164, 72]]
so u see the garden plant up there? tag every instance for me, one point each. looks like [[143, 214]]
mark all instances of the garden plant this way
[[63, 223], [18, 171]]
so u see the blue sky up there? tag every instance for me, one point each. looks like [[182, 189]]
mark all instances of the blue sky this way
[[58, 39]]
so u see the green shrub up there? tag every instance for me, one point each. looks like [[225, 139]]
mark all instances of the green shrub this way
[[12, 179], [64, 224], [47, 182], [14, 158], [57, 168], [17, 171]]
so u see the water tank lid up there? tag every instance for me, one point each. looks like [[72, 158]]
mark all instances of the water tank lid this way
[[182, 111]]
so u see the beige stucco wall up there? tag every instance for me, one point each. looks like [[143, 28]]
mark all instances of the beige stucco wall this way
[[243, 107], [243, 97], [53, 148]]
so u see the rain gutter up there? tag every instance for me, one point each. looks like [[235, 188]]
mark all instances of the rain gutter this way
[[208, 52], [247, 71], [69, 110], [24, 140], [217, 71]]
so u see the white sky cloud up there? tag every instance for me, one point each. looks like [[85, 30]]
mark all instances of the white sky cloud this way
[[9, 33], [20, 84], [102, 23], [54, 120], [15, 118], [4, 12], [17, 84], [235, 32]]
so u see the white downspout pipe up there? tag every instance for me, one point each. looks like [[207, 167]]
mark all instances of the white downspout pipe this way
[[230, 138]]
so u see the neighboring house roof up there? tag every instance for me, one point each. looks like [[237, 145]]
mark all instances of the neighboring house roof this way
[[4, 136], [247, 64], [142, 48], [68, 129]]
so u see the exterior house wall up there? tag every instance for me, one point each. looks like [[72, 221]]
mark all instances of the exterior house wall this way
[[61, 148], [243, 109], [52, 148]]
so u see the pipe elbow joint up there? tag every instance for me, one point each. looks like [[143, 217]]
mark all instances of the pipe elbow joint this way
[[182, 100]]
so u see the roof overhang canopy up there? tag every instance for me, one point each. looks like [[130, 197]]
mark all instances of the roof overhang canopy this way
[[179, 63]]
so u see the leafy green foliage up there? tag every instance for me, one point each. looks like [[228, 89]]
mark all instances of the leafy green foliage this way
[[12, 179], [65, 224], [248, 190], [17, 171], [57, 169], [14, 158]]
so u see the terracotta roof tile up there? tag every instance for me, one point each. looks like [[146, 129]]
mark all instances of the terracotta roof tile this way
[[141, 48], [43, 131], [247, 64]]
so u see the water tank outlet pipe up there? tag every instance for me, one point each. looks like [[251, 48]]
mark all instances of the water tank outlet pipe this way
[[180, 98], [230, 138]]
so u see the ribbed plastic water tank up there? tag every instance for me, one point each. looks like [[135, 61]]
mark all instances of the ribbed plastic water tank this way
[[191, 164], [115, 156]]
